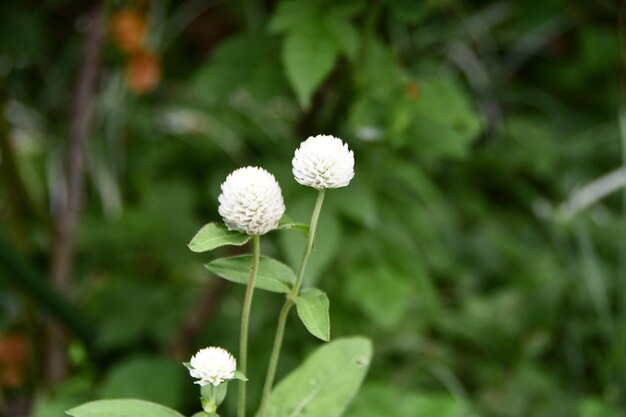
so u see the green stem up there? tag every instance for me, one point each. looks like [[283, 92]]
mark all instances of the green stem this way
[[309, 244], [273, 364], [245, 319], [284, 312]]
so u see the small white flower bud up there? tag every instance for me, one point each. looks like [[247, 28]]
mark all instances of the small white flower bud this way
[[251, 201], [212, 365], [323, 161]]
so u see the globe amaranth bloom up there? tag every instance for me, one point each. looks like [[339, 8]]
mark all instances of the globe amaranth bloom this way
[[323, 161], [212, 365], [251, 201]]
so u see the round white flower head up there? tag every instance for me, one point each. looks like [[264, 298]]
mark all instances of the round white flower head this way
[[323, 161], [251, 201], [212, 365]]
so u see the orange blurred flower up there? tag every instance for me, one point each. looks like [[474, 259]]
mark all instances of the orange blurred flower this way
[[143, 72], [128, 28]]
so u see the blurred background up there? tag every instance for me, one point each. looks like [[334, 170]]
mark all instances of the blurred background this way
[[481, 245]]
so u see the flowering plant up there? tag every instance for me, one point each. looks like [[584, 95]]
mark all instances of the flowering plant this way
[[251, 205]]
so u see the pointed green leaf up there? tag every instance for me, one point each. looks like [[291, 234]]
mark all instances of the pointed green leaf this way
[[444, 111], [228, 72], [309, 54], [287, 223], [325, 384], [240, 376], [214, 235], [122, 408], [345, 34], [272, 276], [312, 306]]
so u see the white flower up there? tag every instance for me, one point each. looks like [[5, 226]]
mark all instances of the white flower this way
[[212, 365], [323, 161], [251, 201]]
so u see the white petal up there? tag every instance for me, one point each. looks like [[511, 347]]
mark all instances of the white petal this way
[[212, 365], [251, 201], [323, 161]]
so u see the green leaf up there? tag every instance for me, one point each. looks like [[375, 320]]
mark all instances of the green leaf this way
[[272, 276], [228, 72], [287, 223], [240, 376], [292, 13], [214, 235], [122, 408], [345, 34], [325, 383], [222, 389], [312, 307], [309, 54], [444, 122], [382, 75]]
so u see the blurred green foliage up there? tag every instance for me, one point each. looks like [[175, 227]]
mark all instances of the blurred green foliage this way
[[472, 124]]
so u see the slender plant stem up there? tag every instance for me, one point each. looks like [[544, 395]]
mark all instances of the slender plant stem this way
[[309, 244], [245, 319], [284, 312], [273, 364]]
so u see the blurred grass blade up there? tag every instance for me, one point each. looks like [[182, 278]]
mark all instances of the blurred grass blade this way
[[592, 192]]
